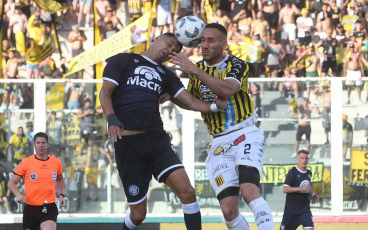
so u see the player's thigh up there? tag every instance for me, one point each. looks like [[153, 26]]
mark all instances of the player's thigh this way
[[48, 225], [289, 222]]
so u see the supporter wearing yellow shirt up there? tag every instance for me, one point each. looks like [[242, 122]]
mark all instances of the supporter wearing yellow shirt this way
[[348, 21], [36, 30], [19, 143]]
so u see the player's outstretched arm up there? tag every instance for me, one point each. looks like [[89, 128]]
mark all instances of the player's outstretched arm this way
[[187, 101]]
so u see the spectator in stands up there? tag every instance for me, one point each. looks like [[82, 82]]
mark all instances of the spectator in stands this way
[[73, 5], [244, 22], [359, 32], [336, 12], [138, 34], [36, 30], [353, 70], [347, 136], [287, 24], [163, 16], [286, 86], [111, 16], [101, 7], [255, 56], [220, 18], [85, 9], [62, 69], [270, 9], [108, 30], [203, 156], [56, 131], [32, 65], [26, 95], [261, 27], [304, 128], [4, 191], [329, 53], [30, 134], [326, 115], [233, 35], [305, 27], [256, 95], [74, 96], [324, 21], [79, 163], [76, 38], [275, 54], [48, 68], [86, 115], [348, 21], [18, 143], [312, 66], [18, 27], [195, 55]]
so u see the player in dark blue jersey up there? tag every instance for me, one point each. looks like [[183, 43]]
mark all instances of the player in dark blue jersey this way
[[133, 86], [298, 188]]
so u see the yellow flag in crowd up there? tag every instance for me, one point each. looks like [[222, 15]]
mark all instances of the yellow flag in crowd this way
[[50, 6], [241, 51], [99, 67], [55, 97], [115, 44]]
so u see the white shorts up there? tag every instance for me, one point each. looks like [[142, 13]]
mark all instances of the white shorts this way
[[242, 147], [288, 32], [354, 78], [163, 17]]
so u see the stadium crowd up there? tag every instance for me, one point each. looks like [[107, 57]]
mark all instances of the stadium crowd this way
[[281, 38]]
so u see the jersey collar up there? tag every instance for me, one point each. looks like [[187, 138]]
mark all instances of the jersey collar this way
[[300, 170], [149, 59], [217, 64], [48, 157]]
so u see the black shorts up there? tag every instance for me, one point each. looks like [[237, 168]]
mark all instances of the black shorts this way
[[140, 156], [329, 63], [301, 72], [292, 221], [274, 67], [272, 19], [303, 130], [254, 69], [33, 216]]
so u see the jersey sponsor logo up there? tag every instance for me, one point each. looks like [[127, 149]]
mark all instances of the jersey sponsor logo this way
[[223, 150], [219, 168], [133, 190], [33, 176], [144, 76], [204, 89], [54, 176], [219, 180], [44, 166]]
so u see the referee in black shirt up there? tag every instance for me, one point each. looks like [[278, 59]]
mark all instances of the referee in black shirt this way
[[298, 191]]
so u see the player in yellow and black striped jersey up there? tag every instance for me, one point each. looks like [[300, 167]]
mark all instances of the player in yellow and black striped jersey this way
[[240, 105], [234, 163]]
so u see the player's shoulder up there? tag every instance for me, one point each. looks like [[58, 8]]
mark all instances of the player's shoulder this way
[[54, 159], [236, 62]]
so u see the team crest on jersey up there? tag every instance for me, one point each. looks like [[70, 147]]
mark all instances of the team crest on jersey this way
[[224, 149], [220, 180], [133, 190], [33, 176], [222, 67], [304, 182], [54, 176]]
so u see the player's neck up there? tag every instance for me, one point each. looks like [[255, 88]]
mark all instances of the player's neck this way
[[42, 156]]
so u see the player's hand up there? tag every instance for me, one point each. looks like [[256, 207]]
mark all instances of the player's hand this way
[[182, 62], [115, 132], [316, 197], [221, 103], [306, 188], [164, 98], [62, 201], [21, 199]]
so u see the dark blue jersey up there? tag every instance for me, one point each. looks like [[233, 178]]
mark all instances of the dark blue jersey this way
[[297, 202], [139, 83]]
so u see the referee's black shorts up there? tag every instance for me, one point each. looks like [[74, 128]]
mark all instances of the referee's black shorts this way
[[140, 156], [33, 216]]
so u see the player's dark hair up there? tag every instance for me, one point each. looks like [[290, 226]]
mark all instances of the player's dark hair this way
[[41, 134], [171, 35], [303, 151], [219, 27]]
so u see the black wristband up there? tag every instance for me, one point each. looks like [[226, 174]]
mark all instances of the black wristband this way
[[112, 120], [61, 194]]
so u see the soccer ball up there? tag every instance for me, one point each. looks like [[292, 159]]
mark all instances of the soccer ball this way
[[188, 31]]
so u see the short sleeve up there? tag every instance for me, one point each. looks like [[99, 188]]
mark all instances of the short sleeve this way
[[239, 70], [289, 180], [60, 168], [175, 85], [20, 169], [115, 67]]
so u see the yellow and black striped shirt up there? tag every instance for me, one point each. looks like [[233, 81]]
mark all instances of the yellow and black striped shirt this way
[[240, 105]]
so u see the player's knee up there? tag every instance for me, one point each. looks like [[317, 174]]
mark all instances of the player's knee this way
[[187, 195], [229, 213], [137, 217]]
